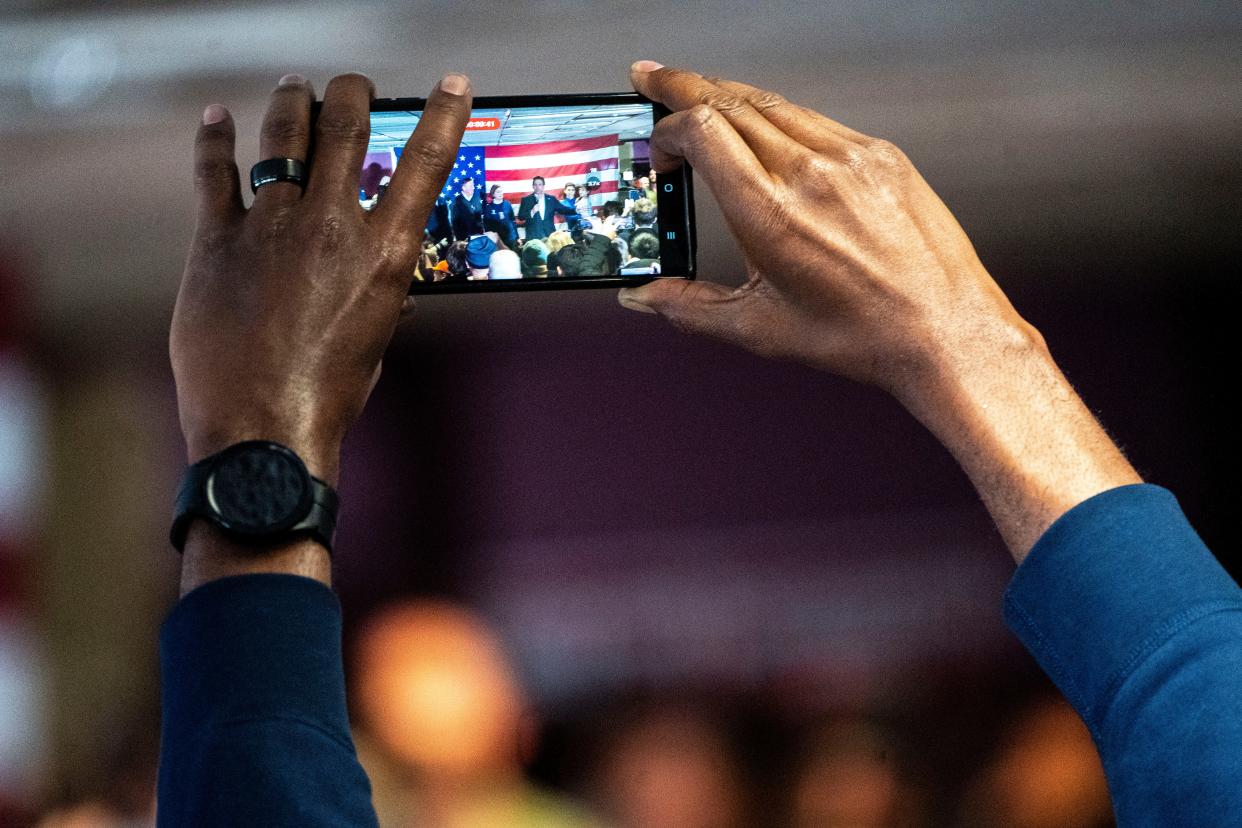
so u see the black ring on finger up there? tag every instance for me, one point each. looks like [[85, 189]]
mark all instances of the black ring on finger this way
[[277, 169]]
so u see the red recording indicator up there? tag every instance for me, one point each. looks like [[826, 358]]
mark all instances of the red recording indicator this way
[[482, 124]]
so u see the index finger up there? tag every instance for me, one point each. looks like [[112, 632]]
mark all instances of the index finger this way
[[806, 126], [427, 158], [703, 137], [710, 141], [681, 89]]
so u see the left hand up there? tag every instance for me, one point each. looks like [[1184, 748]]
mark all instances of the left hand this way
[[286, 308]]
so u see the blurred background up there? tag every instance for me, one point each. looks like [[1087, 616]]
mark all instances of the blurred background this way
[[595, 571]]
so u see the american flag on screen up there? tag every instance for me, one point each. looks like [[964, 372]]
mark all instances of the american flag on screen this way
[[559, 162], [469, 164]]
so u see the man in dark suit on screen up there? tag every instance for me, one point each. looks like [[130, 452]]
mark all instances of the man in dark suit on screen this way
[[537, 210]]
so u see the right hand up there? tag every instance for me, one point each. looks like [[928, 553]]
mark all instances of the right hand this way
[[855, 265]]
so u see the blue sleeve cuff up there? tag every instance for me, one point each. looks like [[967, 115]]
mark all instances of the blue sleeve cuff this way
[[1109, 582], [255, 726], [253, 647]]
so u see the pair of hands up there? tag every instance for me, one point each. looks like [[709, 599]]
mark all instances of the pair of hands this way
[[286, 309], [855, 266]]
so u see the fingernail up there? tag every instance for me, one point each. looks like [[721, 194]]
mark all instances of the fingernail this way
[[646, 66], [290, 79], [628, 301], [455, 84], [214, 114]]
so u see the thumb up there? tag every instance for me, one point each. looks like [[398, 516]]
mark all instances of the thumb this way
[[699, 307]]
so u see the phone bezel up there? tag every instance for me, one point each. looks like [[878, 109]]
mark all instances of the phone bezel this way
[[680, 202]]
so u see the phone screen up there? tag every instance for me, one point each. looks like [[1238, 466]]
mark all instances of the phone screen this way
[[544, 192]]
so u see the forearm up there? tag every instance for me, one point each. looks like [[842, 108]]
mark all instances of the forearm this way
[[255, 725], [1026, 440]]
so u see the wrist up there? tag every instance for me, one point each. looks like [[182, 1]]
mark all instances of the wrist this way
[[959, 372], [321, 455], [1028, 443], [250, 508], [210, 554]]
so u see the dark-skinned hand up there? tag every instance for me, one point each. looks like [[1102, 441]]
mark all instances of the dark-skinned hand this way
[[286, 308]]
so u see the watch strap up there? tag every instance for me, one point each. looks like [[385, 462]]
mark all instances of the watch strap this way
[[319, 523]]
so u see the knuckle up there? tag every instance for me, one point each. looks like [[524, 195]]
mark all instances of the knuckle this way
[[666, 127], [814, 168], [397, 257], [857, 158], [344, 128], [328, 232], [887, 153], [765, 101], [431, 154], [286, 130], [701, 119], [270, 229], [774, 214], [722, 101]]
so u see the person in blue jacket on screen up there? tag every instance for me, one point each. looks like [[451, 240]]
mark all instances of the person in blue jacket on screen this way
[[498, 216], [572, 196]]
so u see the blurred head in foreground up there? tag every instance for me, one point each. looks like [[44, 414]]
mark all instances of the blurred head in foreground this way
[[670, 767], [848, 777], [447, 725], [435, 690], [1046, 774]]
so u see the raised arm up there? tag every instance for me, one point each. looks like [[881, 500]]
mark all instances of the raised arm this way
[[873, 279], [284, 312], [563, 209], [856, 267]]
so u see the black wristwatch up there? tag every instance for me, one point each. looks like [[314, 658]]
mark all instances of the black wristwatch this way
[[256, 492]]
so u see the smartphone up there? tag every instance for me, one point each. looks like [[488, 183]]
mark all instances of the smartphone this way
[[546, 192]]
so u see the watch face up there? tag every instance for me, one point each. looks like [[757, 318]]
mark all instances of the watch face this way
[[259, 489]]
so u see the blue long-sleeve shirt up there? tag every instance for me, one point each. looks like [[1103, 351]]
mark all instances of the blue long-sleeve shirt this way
[[1141, 629], [1119, 601], [255, 726]]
